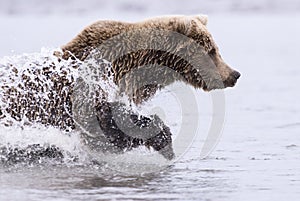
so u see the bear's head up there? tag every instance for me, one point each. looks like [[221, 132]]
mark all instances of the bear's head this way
[[182, 43], [207, 70], [173, 48]]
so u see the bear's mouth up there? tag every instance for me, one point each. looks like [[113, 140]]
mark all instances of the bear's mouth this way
[[210, 85], [230, 83], [207, 88], [217, 84], [221, 85]]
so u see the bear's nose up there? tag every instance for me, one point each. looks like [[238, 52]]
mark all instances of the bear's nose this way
[[236, 74]]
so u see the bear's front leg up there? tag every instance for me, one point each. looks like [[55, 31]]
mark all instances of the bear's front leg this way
[[126, 130]]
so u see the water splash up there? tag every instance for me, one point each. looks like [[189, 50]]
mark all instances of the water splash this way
[[25, 141]]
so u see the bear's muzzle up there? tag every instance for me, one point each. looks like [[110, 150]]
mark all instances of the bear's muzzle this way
[[232, 79]]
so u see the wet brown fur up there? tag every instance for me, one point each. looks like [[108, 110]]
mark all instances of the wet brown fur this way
[[180, 54]]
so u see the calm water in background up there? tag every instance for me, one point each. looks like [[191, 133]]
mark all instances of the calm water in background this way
[[258, 154]]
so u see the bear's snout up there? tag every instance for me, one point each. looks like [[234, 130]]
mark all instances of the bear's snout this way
[[232, 79], [236, 75]]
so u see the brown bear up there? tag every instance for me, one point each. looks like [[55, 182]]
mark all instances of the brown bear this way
[[181, 43], [145, 56]]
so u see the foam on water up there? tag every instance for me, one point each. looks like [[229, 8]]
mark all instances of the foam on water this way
[[139, 160], [16, 137]]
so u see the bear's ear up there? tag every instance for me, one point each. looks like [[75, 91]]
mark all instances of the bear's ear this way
[[203, 19]]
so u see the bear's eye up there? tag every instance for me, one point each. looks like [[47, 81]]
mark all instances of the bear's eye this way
[[212, 52]]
